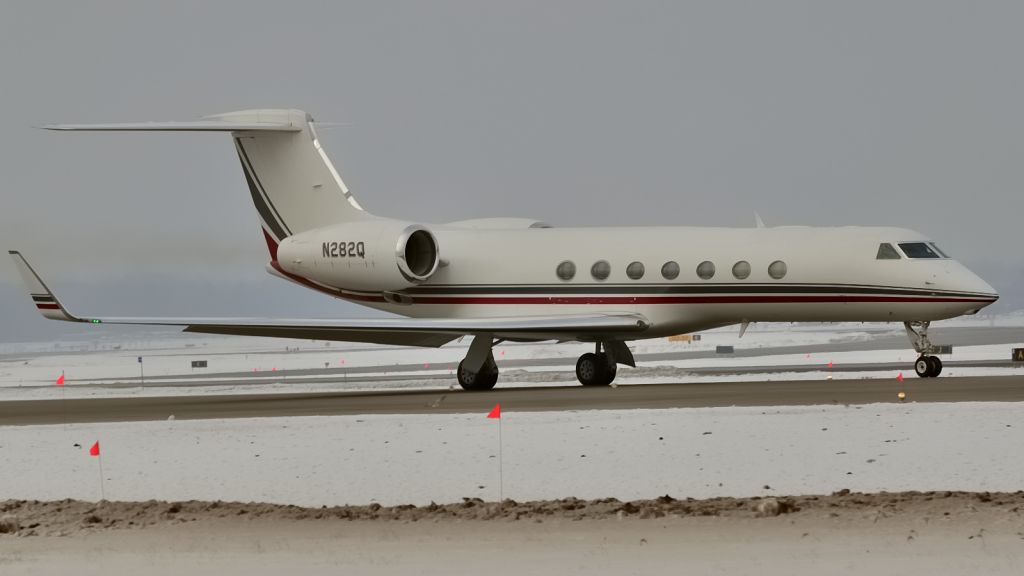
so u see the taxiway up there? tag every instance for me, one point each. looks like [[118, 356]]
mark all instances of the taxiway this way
[[533, 399]]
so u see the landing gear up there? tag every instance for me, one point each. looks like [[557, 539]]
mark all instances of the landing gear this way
[[596, 368], [926, 366], [484, 379]]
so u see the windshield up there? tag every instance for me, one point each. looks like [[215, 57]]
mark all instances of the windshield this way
[[918, 250], [887, 252], [936, 248]]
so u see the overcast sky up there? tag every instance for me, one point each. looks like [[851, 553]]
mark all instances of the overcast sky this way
[[577, 113]]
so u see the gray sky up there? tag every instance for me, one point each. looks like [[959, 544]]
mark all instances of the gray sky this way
[[577, 113]]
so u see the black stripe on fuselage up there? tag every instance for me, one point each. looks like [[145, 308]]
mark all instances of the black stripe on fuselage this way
[[260, 198], [656, 289], [44, 298]]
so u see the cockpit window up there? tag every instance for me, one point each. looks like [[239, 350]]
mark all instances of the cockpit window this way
[[887, 252], [936, 248], [918, 250]]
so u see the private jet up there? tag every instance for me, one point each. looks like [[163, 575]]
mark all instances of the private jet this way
[[521, 280]]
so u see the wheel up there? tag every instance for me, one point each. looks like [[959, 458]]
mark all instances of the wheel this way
[[595, 369], [610, 368], [936, 366], [588, 370], [485, 379], [923, 366]]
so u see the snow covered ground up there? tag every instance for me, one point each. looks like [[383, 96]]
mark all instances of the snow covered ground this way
[[394, 459], [628, 454]]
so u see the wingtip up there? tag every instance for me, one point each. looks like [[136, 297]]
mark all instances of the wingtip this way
[[43, 298]]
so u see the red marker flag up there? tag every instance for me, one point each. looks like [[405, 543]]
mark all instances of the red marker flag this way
[[60, 379], [900, 376], [495, 412], [830, 364], [95, 450]]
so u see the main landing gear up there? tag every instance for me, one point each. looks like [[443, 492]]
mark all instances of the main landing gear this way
[[483, 379], [598, 368], [478, 371], [926, 366]]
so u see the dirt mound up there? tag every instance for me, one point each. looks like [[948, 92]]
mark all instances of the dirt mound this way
[[67, 517]]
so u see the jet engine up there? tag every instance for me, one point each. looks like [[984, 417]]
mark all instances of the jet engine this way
[[370, 256]]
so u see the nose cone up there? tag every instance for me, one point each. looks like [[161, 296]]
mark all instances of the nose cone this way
[[977, 285], [981, 291]]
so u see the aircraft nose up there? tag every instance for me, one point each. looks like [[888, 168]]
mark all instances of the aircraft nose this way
[[971, 282]]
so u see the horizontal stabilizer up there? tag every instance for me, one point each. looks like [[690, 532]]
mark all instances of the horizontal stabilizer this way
[[200, 126]]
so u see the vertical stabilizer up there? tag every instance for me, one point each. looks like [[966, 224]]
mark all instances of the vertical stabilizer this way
[[293, 184]]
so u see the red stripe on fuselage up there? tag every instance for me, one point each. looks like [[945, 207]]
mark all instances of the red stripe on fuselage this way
[[330, 291], [680, 299], [47, 306]]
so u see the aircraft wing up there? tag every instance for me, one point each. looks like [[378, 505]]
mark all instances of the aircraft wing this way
[[400, 331]]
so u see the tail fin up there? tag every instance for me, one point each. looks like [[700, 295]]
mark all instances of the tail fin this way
[[292, 182]]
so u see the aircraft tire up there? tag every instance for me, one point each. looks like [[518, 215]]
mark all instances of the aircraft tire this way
[[595, 370], [483, 380], [610, 368], [923, 367], [936, 366]]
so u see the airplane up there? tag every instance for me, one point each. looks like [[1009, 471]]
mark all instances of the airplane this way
[[521, 280]]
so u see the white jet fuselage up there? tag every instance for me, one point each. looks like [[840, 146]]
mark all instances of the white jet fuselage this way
[[829, 275]]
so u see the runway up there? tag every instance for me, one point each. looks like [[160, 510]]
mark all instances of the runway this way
[[565, 398]]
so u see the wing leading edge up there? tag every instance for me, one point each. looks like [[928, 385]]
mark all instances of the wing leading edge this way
[[431, 332]]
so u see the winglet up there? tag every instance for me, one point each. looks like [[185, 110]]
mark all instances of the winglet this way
[[46, 302]]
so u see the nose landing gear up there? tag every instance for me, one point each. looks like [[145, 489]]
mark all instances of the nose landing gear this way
[[926, 366]]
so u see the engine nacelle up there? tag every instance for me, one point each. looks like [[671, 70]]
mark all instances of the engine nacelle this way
[[371, 256]]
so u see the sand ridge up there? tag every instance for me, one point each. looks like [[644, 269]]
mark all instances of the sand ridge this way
[[26, 518]]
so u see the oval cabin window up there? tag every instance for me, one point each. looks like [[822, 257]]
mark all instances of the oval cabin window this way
[[670, 270], [601, 270], [777, 269], [706, 270], [566, 270], [741, 270]]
